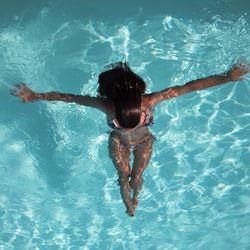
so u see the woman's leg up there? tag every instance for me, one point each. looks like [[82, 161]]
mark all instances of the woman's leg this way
[[120, 157], [142, 155]]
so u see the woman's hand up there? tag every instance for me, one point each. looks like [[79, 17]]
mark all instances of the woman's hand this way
[[24, 93], [237, 71]]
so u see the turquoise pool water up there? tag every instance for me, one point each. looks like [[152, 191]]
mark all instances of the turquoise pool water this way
[[58, 186]]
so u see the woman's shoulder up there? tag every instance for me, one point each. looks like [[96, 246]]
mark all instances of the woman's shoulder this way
[[145, 102]]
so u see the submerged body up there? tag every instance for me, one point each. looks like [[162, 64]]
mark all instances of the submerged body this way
[[132, 138], [129, 113], [122, 142]]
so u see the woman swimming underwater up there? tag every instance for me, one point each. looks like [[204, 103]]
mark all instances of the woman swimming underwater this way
[[129, 113]]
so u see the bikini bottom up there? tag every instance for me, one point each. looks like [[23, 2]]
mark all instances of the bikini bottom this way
[[140, 145]]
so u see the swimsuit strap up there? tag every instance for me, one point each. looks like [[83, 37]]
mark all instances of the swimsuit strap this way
[[148, 120], [113, 123]]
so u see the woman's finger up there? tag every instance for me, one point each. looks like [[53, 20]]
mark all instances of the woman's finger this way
[[15, 88], [13, 91]]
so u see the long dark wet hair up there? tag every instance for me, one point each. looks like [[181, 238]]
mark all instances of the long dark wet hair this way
[[121, 85]]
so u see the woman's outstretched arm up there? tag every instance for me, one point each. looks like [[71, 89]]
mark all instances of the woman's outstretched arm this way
[[234, 74], [28, 95]]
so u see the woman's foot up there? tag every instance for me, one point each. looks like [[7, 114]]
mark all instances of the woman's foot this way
[[135, 202], [130, 211]]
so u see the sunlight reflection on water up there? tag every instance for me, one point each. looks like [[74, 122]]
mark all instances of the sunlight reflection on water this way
[[59, 188]]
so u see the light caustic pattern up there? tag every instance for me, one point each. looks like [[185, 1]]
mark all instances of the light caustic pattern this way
[[58, 186]]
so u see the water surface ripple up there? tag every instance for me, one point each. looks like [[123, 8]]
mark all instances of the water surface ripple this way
[[58, 186]]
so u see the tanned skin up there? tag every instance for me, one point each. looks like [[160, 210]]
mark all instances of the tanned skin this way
[[119, 154]]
